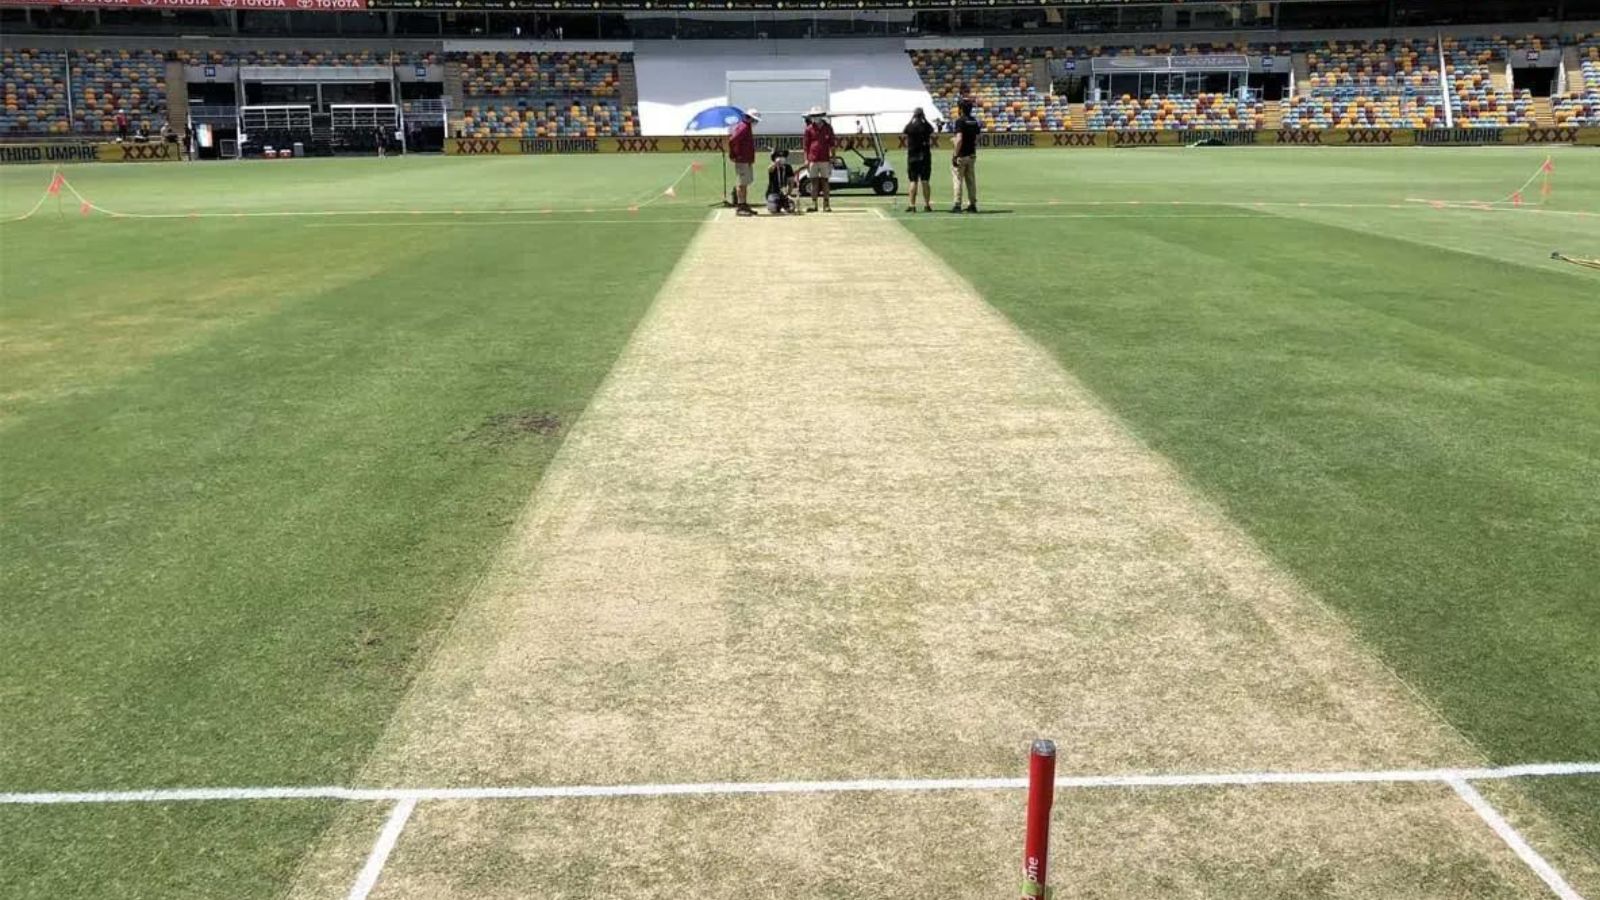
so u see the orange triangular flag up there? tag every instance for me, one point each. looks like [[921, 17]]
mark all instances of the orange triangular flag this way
[[1549, 165], [697, 166], [85, 208], [55, 185], [1516, 199]]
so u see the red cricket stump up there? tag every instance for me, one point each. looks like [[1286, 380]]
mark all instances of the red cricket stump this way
[[1041, 794]]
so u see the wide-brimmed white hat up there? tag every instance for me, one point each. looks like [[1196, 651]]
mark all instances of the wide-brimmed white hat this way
[[816, 111], [753, 114]]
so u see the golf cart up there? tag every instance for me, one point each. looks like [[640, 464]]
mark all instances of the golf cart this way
[[873, 172]]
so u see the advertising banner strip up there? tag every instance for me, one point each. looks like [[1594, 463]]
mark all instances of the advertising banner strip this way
[[559, 5], [86, 151], [286, 5], [109, 151], [1354, 137]]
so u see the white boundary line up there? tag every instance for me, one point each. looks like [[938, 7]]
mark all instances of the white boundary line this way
[[368, 879], [730, 788], [1507, 833], [503, 223]]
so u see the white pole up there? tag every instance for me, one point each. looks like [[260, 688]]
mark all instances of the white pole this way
[[66, 71], [1444, 90]]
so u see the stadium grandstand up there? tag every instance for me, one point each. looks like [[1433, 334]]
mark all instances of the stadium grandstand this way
[[1581, 104], [557, 94], [1002, 81], [1226, 67]]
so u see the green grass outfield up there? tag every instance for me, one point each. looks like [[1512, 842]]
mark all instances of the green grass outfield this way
[[250, 465]]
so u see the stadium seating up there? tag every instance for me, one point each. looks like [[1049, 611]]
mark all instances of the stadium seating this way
[[1375, 84], [34, 86], [1363, 64], [539, 74], [1474, 100], [104, 81], [1580, 105], [1157, 113], [550, 118], [998, 81], [545, 94]]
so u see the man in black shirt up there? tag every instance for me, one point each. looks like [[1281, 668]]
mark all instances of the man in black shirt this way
[[919, 159], [780, 184], [964, 167]]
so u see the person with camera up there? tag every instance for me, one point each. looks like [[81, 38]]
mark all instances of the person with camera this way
[[780, 184], [919, 159]]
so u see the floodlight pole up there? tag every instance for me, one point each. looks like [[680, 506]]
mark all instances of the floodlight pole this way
[[1036, 842]]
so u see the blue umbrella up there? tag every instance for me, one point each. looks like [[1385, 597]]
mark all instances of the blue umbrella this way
[[715, 117]]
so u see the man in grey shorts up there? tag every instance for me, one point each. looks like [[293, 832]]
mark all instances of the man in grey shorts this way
[[742, 153], [819, 144]]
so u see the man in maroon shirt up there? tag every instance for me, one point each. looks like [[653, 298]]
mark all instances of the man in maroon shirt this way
[[742, 152], [819, 157]]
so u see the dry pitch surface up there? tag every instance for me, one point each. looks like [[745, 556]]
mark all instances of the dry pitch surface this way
[[832, 517]]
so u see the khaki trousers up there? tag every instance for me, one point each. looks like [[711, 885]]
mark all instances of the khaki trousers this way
[[965, 174]]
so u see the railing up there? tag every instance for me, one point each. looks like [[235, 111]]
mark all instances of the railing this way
[[278, 118], [351, 116]]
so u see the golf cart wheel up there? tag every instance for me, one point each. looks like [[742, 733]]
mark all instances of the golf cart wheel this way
[[887, 186]]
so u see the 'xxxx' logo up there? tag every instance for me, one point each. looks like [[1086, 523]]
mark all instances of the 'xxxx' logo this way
[[1551, 136], [702, 145], [637, 145], [1137, 139], [932, 142], [1369, 137], [479, 146], [137, 152], [1299, 137], [1073, 139]]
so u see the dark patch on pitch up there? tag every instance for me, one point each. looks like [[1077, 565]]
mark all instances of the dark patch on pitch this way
[[505, 428]]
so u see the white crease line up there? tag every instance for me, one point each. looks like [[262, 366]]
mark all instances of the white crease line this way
[[368, 879], [883, 785], [503, 223], [1006, 217], [1527, 854]]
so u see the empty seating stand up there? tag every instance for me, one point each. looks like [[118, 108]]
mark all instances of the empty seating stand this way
[[105, 81], [55, 92], [999, 81], [545, 95], [1376, 84], [1158, 113], [34, 85], [1580, 104], [1474, 99]]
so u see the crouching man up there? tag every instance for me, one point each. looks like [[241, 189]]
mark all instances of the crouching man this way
[[780, 184]]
